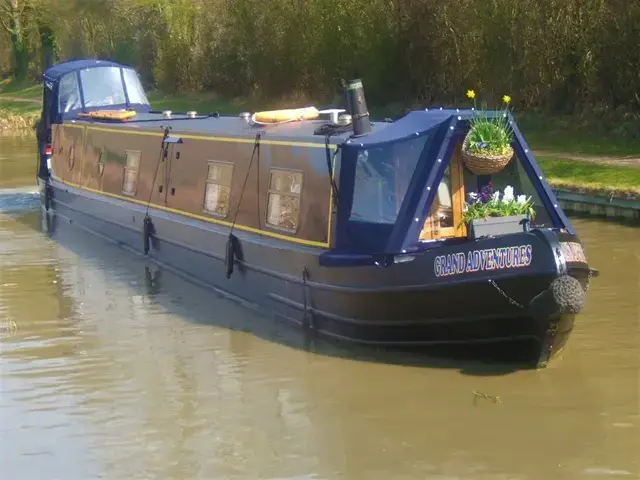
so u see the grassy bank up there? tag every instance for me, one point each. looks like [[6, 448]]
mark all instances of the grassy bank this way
[[19, 105], [592, 178], [559, 140]]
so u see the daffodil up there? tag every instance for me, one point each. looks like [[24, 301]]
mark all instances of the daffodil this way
[[506, 99], [471, 94]]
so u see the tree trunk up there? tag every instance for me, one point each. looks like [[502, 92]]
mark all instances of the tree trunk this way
[[48, 46], [19, 47]]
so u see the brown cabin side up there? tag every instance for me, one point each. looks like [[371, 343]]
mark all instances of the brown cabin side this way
[[287, 195]]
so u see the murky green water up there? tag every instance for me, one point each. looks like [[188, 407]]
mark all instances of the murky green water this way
[[112, 368]]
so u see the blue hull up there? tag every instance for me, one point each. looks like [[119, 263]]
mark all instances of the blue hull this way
[[403, 304]]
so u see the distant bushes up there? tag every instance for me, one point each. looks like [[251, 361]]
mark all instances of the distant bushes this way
[[562, 55]]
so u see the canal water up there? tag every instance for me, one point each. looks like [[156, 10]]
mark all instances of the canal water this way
[[112, 368]]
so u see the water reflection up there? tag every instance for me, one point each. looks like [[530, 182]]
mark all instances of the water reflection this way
[[122, 370]]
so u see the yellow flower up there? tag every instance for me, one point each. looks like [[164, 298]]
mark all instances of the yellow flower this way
[[471, 94], [506, 99]]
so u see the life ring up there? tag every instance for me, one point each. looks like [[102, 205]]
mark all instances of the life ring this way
[[283, 116]]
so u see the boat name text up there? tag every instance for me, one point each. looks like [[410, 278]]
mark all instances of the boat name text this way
[[483, 260], [573, 252]]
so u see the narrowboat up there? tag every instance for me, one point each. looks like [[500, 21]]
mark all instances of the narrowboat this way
[[347, 227]]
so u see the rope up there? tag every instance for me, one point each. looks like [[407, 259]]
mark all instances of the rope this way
[[256, 147], [328, 130], [164, 148], [511, 300], [147, 224], [305, 320]]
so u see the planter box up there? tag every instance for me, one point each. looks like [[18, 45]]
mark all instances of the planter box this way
[[494, 226]]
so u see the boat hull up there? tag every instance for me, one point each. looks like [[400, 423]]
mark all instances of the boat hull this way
[[399, 305]]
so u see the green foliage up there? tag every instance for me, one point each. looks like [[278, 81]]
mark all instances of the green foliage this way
[[571, 173], [491, 204], [563, 56], [489, 133]]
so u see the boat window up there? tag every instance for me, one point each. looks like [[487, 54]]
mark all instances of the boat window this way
[[514, 175], [382, 179], [445, 216], [218, 188], [69, 93], [102, 86], [283, 204], [135, 91], [132, 165]]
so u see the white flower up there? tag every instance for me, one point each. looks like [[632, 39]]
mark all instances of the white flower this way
[[508, 194], [522, 199], [495, 197], [473, 196]]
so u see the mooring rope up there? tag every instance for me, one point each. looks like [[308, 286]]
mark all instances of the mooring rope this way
[[256, 147], [306, 322], [146, 222], [328, 131], [164, 149]]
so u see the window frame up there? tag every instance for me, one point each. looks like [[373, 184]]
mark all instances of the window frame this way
[[126, 168], [207, 182], [431, 229], [271, 191]]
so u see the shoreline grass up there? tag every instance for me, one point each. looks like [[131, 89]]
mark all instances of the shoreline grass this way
[[594, 178], [20, 108]]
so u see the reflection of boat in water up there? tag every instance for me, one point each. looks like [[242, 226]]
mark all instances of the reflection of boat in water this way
[[353, 230]]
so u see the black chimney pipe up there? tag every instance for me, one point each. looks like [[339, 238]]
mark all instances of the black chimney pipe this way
[[357, 108]]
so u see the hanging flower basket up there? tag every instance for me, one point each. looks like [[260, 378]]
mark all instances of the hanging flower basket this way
[[487, 146], [484, 163]]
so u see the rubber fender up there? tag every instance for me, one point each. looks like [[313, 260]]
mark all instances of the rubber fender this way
[[147, 226], [565, 295], [47, 197], [230, 255]]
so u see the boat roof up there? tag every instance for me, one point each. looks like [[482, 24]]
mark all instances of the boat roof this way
[[54, 73], [414, 123]]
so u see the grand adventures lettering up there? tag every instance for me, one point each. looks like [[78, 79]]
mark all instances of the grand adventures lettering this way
[[483, 260]]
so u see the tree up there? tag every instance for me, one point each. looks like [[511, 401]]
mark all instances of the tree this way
[[11, 18]]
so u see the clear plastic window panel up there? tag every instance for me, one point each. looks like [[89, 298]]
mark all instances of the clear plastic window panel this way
[[102, 87], [382, 178], [69, 93], [513, 175], [134, 87]]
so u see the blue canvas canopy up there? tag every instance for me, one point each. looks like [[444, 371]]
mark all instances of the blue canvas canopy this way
[[84, 85], [54, 73], [389, 179]]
